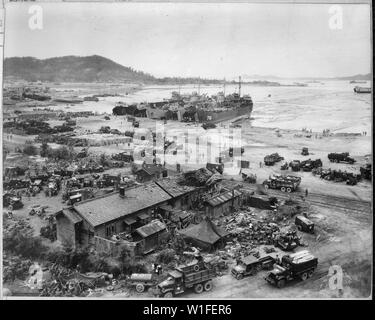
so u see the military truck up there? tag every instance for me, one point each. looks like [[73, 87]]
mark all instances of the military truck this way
[[271, 159], [285, 183], [250, 265], [295, 165], [300, 265], [197, 276], [340, 157], [305, 151], [304, 224], [12, 201], [309, 165], [248, 176], [366, 171]]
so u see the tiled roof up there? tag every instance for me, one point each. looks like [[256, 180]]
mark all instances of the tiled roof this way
[[224, 197], [151, 169], [111, 206], [173, 188], [151, 228]]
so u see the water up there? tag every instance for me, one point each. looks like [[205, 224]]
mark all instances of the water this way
[[332, 105]]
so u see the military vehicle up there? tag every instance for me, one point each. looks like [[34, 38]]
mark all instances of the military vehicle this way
[[250, 265], [304, 224], [197, 276], [297, 265], [341, 157], [286, 183]]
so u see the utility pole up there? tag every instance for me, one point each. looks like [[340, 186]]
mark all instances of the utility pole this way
[[199, 86], [224, 87]]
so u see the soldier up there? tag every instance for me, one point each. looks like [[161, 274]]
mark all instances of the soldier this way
[[306, 192]]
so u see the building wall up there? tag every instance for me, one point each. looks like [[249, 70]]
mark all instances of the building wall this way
[[224, 208], [66, 231]]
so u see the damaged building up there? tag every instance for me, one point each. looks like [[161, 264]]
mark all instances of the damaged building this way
[[108, 215]]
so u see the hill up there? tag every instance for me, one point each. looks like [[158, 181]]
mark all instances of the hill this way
[[72, 69]]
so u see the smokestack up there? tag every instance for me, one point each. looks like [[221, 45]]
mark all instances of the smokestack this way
[[122, 191]]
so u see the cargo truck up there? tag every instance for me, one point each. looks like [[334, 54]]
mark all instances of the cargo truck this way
[[300, 265], [197, 277]]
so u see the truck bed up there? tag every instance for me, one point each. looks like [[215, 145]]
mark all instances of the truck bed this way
[[199, 277]]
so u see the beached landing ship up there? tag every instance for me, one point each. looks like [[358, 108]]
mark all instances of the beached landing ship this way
[[192, 108]]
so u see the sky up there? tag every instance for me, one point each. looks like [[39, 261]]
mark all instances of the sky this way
[[206, 40]]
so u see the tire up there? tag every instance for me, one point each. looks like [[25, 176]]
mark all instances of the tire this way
[[258, 268], [299, 228], [168, 295], [310, 273], [266, 186], [198, 288], [196, 268], [304, 276], [239, 276], [281, 283], [208, 286], [289, 190], [140, 288], [282, 189]]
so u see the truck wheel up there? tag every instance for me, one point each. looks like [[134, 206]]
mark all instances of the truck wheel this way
[[266, 186], [304, 276], [310, 273], [168, 295], [239, 276], [258, 268], [140, 287], [281, 283], [289, 190], [208, 286], [282, 189], [196, 268], [299, 228], [198, 288]]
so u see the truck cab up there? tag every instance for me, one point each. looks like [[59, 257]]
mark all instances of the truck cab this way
[[250, 265], [171, 286]]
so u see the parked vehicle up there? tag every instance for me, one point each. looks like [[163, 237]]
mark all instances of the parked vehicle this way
[[196, 276], [142, 281], [285, 183], [305, 151], [249, 177], [366, 171], [285, 166], [297, 265], [271, 159], [12, 200], [340, 157], [250, 265], [309, 165], [295, 165], [304, 224]]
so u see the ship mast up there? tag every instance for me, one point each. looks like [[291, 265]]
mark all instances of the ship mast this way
[[239, 86], [224, 87]]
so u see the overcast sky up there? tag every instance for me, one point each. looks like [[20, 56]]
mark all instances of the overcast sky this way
[[206, 40]]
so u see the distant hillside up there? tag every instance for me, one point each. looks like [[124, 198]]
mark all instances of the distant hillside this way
[[357, 77], [71, 69]]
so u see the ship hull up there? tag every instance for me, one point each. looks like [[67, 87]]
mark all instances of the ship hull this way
[[214, 117]]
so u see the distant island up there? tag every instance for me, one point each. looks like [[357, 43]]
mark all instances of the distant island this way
[[102, 70]]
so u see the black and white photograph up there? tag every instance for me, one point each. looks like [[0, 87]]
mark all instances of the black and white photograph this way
[[186, 150]]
